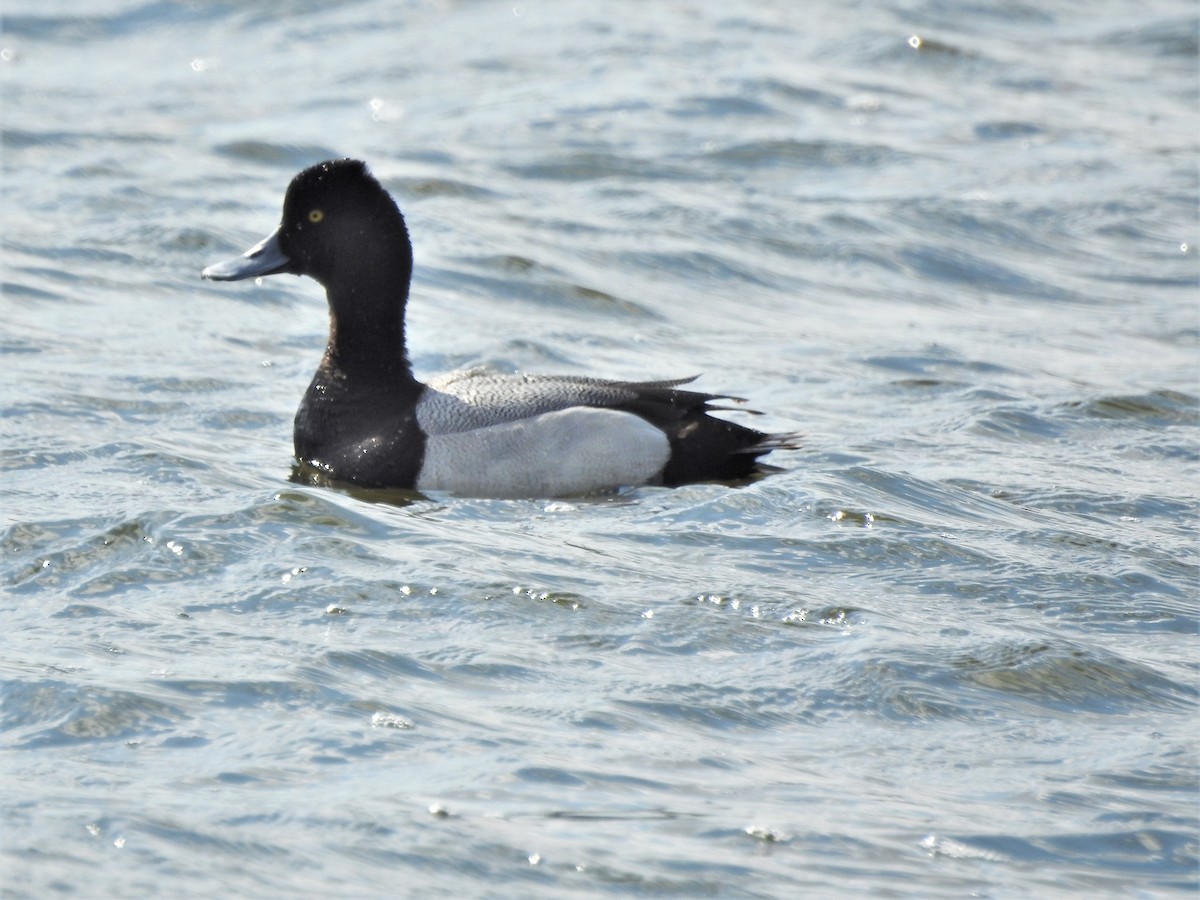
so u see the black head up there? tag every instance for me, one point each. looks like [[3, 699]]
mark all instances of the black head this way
[[338, 221], [339, 227]]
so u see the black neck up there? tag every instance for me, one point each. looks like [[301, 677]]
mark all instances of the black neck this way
[[366, 329]]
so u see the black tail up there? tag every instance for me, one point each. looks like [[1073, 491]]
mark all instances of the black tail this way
[[703, 448]]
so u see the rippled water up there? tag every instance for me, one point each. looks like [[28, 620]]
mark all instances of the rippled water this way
[[950, 650]]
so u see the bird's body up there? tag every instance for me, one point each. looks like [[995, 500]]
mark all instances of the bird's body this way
[[367, 420]]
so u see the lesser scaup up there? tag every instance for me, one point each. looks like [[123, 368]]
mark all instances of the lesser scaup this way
[[367, 420]]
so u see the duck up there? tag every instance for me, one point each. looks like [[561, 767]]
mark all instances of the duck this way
[[366, 421]]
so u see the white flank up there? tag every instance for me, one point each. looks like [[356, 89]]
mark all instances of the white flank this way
[[570, 451]]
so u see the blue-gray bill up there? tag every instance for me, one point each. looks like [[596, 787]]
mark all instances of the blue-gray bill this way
[[264, 258]]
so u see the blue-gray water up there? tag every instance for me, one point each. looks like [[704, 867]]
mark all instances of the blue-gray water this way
[[950, 651]]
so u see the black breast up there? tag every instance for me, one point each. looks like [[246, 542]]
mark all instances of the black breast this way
[[357, 434]]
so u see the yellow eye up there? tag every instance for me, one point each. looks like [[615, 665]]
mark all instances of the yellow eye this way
[[316, 216]]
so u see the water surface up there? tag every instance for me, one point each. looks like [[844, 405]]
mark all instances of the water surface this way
[[950, 650]]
